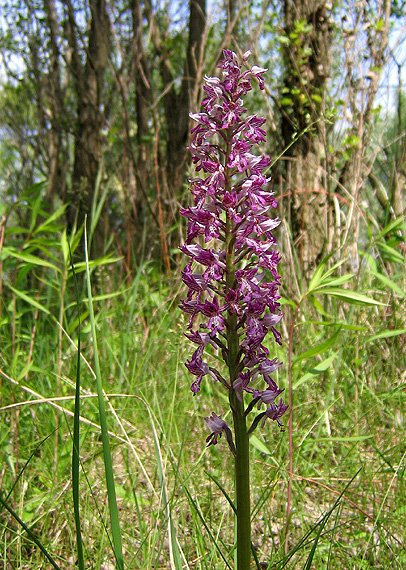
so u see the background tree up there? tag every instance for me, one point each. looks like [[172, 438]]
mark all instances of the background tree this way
[[87, 67], [96, 100], [306, 46]]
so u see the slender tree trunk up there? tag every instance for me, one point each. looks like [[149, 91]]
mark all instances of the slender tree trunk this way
[[89, 82], [178, 105], [56, 171], [306, 56], [142, 103], [362, 90]]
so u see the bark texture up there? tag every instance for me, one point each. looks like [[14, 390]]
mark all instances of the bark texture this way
[[89, 83], [307, 60], [178, 104]]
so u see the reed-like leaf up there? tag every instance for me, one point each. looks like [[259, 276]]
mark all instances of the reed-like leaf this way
[[76, 433], [108, 464]]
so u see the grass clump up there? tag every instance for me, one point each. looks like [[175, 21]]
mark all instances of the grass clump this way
[[346, 454]]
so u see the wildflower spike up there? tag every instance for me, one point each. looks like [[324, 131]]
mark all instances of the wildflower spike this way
[[231, 275]]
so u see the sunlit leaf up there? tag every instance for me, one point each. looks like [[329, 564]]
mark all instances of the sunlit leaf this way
[[393, 225], [385, 334], [28, 299], [334, 282], [259, 445], [81, 265], [318, 349], [318, 369], [391, 284], [391, 254], [31, 259], [46, 226], [319, 277], [350, 296]]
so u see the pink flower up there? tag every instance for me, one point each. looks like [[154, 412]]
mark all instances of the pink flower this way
[[231, 215]]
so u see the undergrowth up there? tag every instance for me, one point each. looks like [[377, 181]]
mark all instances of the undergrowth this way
[[347, 348]]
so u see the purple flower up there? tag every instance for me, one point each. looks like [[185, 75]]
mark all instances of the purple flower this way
[[232, 277], [217, 426], [194, 281], [275, 412]]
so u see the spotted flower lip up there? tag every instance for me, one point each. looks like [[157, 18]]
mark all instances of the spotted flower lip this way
[[233, 257]]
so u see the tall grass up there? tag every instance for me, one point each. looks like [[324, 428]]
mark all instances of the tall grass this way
[[344, 461]]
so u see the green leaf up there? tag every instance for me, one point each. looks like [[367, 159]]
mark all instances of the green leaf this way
[[401, 510], [108, 463], [28, 299], [385, 334], [391, 284], [344, 326], [352, 141], [390, 253], [379, 25], [319, 277], [321, 524], [27, 368], [46, 226], [30, 533], [107, 296], [334, 282], [76, 429], [393, 225], [350, 296], [318, 369], [284, 301], [318, 349], [259, 445], [17, 230], [318, 306], [81, 265], [370, 260], [284, 40], [29, 258], [347, 438], [65, 247]]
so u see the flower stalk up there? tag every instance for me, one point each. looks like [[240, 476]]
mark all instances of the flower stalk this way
[[232, 277]]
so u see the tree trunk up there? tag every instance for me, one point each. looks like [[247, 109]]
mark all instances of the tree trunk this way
[[89, 82], [142, 103], [177, 105], [56, 170], [306, 56]]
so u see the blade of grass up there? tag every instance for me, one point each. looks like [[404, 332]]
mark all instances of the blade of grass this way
[[30, 534], [76, 433], [201, 517], [108, 465], [33, 454], [28, 299], [383, 503], [303, 542], [133, 296], [322, 523], [175, 551], [53, 402]]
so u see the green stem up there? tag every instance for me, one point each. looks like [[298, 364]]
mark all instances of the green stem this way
[[242, 470], [242, 474], [242, 485]]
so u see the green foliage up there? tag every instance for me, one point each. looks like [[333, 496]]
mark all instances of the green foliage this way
[[300, 99], [174, 496]]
